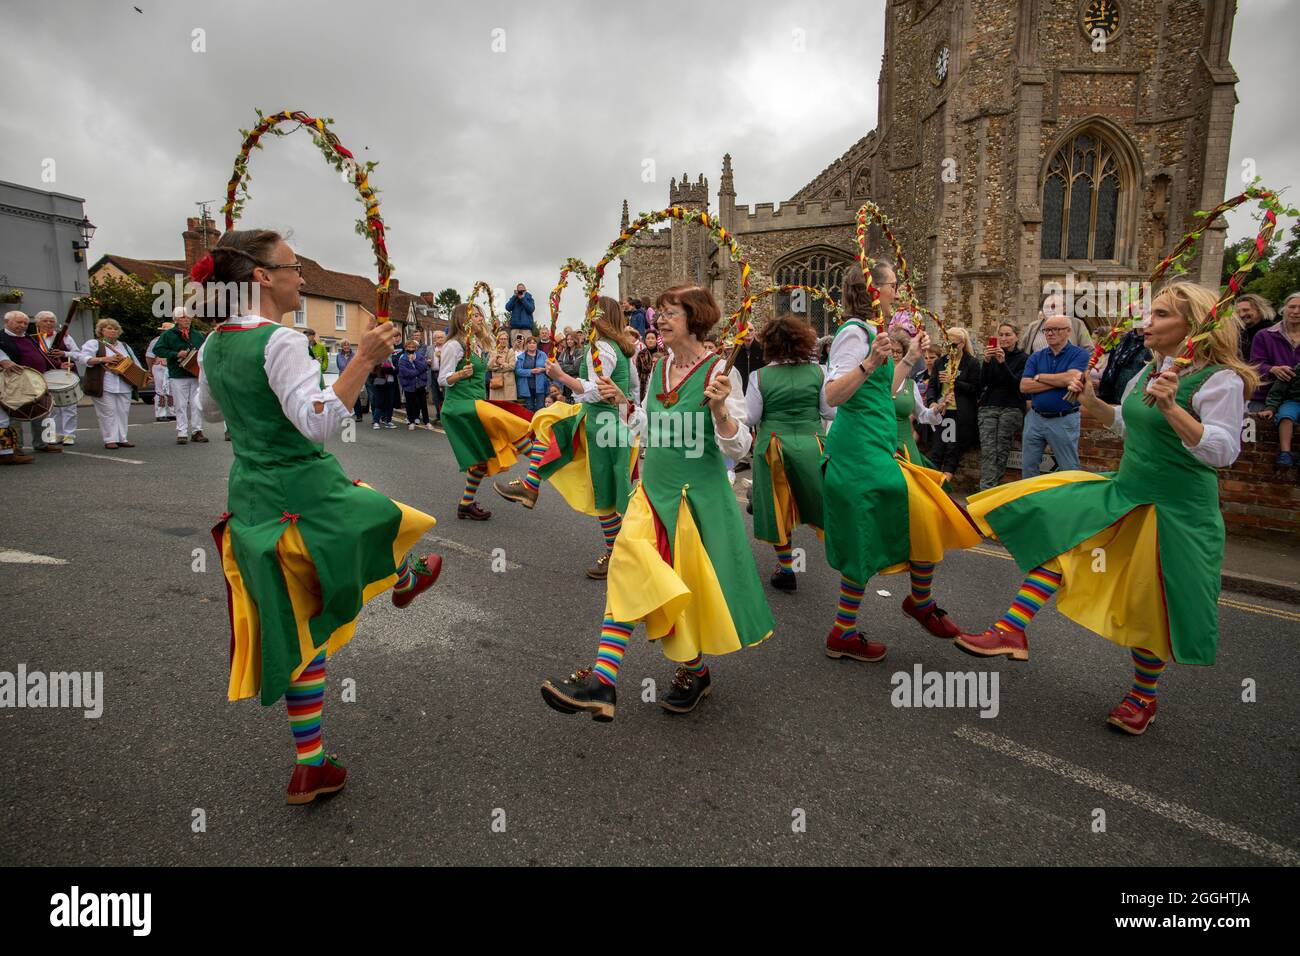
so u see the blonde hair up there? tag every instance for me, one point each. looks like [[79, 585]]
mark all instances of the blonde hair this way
[[959, 332], [459, 325], [1265, 308], [1222, 347], [105, 323]]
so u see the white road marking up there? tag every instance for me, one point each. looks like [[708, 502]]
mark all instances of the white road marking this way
[[472, 552], [1192, 819], [22, 557], [85, 454]]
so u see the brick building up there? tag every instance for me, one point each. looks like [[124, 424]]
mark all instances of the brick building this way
[[1018, 142]]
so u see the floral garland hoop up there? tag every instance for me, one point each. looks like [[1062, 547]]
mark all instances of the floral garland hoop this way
[[494, 325], [833, 308], [370, 226], [624, 241], [570, 266]]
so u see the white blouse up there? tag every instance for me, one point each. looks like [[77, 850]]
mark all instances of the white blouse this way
[[738, 444], [608, 360], [114, 384], [849, 350], [452, 353], [754, 397], [1220, 403], [294, 376], [922, 413]]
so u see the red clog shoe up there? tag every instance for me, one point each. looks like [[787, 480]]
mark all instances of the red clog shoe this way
[[1132, 718], [995, 642], [423, 580], [934, 619], [308, 783], [854, 646]]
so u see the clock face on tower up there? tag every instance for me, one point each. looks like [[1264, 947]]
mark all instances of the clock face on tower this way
[[939, 64], [1100, 18]]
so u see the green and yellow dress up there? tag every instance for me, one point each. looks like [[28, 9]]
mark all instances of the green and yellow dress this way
[[301, 545], [881, 510], [591, 455], [682, 562], [481, 432], [788, 449], [1139, 550]]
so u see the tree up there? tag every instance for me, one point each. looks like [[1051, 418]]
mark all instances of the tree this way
[[130, 302], [1278, 272], [447, 300]]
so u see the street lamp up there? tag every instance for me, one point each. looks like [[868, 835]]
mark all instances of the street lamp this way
[[87, 230]]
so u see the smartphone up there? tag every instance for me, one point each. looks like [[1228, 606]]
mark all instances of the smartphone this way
[[993, 341]]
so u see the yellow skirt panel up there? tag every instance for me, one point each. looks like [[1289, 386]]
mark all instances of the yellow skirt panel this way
[[681, 604], [304, 594], [573, 481], [503, 430], [935, 524]]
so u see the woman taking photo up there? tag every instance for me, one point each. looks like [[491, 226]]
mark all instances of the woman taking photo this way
[[584, 449], [682, 563], [1156, 520], [786, 398], [302, 546], [109, 392], [1001, 405], [485, 436]]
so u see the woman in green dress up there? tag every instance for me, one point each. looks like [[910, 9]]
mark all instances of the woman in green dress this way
[[1134, 555], [302, 547], [682, 563], [786, 401], [884, 514], [906, 347], [486, 436]]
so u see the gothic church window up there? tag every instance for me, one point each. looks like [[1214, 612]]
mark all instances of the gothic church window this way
[[817, 268], [1081, 200]]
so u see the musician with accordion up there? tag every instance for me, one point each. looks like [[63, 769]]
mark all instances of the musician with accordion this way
[[180, 347], [108, 367]]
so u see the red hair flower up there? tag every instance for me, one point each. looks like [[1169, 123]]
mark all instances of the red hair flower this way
[[202, 270]]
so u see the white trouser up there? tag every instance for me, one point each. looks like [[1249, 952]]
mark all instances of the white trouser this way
[[4, 424], [111, 409], [65, 419], [162, 397], [185, 406]]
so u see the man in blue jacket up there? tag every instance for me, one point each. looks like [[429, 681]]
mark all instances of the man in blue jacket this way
[[530, 376], [520, 306]]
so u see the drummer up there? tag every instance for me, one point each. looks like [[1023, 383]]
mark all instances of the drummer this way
[[23, 349], [65, 416], [111, 407]]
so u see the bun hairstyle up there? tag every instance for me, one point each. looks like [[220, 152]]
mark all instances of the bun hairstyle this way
[[854, 295], [226, 272], [611, 324]]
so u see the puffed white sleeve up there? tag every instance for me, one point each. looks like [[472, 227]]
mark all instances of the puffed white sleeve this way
[[848, 351], [83, 354], [924, 414], [753, 400], [738, 444], [1220, 403], [452, 353], [294, 376], [590, 393], [208, 405], [634, 378], [828, 411]]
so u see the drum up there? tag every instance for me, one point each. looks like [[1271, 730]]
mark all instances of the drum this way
[[64, 387], [24, 394]]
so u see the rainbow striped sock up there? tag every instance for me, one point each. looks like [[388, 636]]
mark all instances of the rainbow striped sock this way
[[304, 699], [785, 557], [846, 614], [524, 444], [610, 525], [473, 478], [697, 666], [1147, 669], [533, 480], [922, 574], [411, 565], [1037, 590], [613, 645]]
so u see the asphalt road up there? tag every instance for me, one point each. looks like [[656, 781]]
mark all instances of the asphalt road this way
[[454, 758]]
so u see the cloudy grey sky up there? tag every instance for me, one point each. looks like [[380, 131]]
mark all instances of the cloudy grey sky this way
[[493, 165]]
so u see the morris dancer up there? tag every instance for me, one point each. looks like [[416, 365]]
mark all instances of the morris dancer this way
[[787, 400], [1156, 519], [906, 346], [682, 562], [585, 449], [485, 436], [162, 394], [883, 514], [302, 546]]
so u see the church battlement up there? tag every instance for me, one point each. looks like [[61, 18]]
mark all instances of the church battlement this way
[[793, 215], [683, 192]]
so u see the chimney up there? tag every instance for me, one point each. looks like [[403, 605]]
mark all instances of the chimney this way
[[428, 298], [193, 236], [392, 286]]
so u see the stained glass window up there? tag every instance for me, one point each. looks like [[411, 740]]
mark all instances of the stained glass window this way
[[1081, 200], [820, 269]]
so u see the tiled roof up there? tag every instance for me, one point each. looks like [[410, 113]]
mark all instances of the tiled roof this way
[[146, 270]]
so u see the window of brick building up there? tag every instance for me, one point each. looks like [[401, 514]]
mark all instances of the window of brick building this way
[[821, 268], [1082, 199]]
